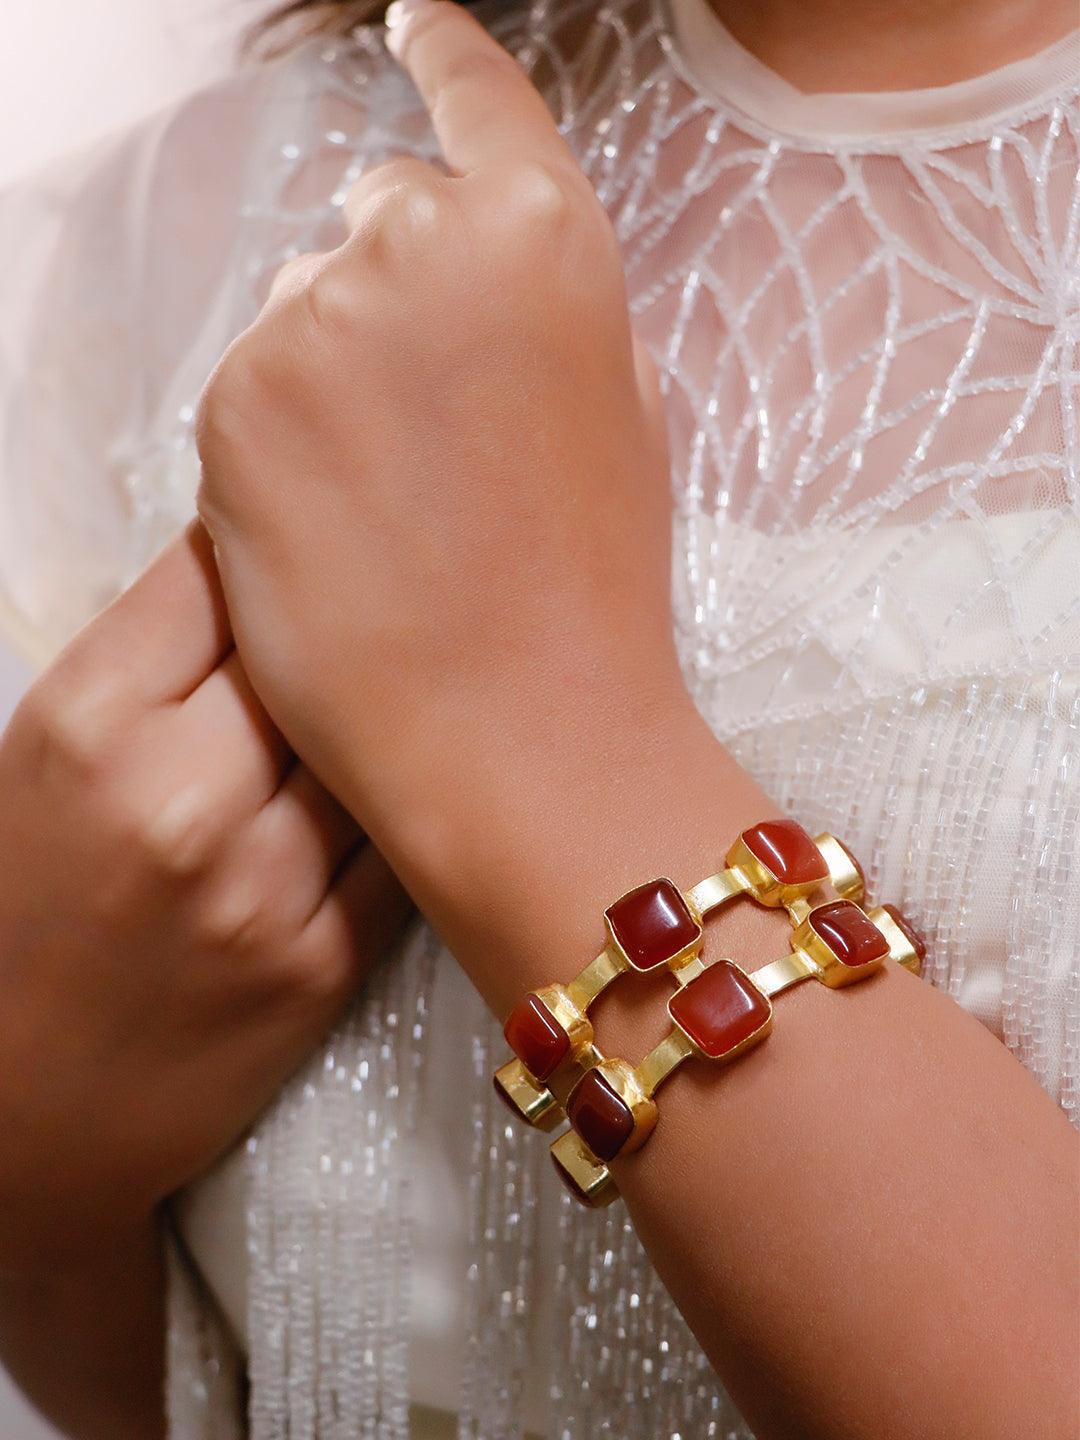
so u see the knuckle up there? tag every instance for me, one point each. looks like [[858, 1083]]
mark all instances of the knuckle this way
[[225, 403], [296, 271], [236, 920], [319, 981], [540, 193], [230, 427], [331, 302], [414, 216], [393, 174], [71, 718], [549, 205], [179, 838]]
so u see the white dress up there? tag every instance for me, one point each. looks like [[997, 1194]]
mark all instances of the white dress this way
[[867, 311]]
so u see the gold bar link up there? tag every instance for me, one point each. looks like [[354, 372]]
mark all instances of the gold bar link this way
[[783, 973], [596, 976], [662, 1060], [798, 910], [590, 1179], [689, 970], [534, 1102], [725, 885]]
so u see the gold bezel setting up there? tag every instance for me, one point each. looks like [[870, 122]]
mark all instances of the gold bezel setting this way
[[900, 947], [588, 1179], [740, 1047], [827, 966], [845, 875], [620, 1096], [527, 1098], [680, 956]]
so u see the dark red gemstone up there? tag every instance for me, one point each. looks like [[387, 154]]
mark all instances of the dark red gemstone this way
[[536, 1037], [652, 924], [603, 1119], [853, 939], [719, 1009], [787, 850], [914, 939]]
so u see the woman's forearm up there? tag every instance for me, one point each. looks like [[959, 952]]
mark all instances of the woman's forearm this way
[[85, 1340], [869, 1221]]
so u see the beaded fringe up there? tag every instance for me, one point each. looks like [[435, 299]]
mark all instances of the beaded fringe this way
[[933, 805]]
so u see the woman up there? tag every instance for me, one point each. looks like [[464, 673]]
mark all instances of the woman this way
[[859, 285]]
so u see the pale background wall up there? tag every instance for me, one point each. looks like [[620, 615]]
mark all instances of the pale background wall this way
[[68, 72]]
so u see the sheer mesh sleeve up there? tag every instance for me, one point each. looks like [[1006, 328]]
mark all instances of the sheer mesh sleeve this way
[[111, 264], [124, 272]]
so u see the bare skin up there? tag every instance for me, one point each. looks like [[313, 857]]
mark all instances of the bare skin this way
[[912, 1262], [184, 910], [840, 1212], [844, 46]]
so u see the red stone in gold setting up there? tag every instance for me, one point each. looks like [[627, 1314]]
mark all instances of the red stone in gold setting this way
[[853, 938], [720, 1009], [652, 924], [911, 935], [603, 1119], [785, 849], [536, 1037]]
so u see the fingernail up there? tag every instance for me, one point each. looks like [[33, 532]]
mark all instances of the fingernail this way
[[397, 16]]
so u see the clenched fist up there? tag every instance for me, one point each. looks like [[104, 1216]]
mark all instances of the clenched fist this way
[[435, 472]]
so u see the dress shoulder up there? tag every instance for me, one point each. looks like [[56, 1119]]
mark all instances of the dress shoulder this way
[[125, 270]]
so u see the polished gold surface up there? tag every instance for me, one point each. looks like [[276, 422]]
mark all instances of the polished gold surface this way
[[782, 974], [597, 976], [760, 882], [533, 1102], [808, 958], [823, 964], [560, 1001], [707, 895], [590, 1179], [900, 948], [663, 1059], [625, 1081], [844, 874]]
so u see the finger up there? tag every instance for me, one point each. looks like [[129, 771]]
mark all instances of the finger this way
[[482, 105], [222, 733], [380, 185], [170, 629], [361, 915], [307, 835], [367, 193], [295, 275]]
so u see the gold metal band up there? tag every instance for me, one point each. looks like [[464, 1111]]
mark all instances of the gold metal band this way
[[597, 976], [813, 955], [782, 974]]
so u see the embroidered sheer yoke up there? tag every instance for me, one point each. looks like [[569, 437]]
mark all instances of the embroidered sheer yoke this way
[[867, 312]]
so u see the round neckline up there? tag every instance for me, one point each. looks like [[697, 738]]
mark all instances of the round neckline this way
[[721, 70]]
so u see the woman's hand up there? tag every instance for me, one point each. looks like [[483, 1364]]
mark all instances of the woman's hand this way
[[441, 508], [183, 912], [435, 473]]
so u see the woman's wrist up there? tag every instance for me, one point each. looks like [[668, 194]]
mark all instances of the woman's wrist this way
[[516, 866]]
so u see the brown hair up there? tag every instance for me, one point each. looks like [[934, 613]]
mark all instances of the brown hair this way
[[310, 17]]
